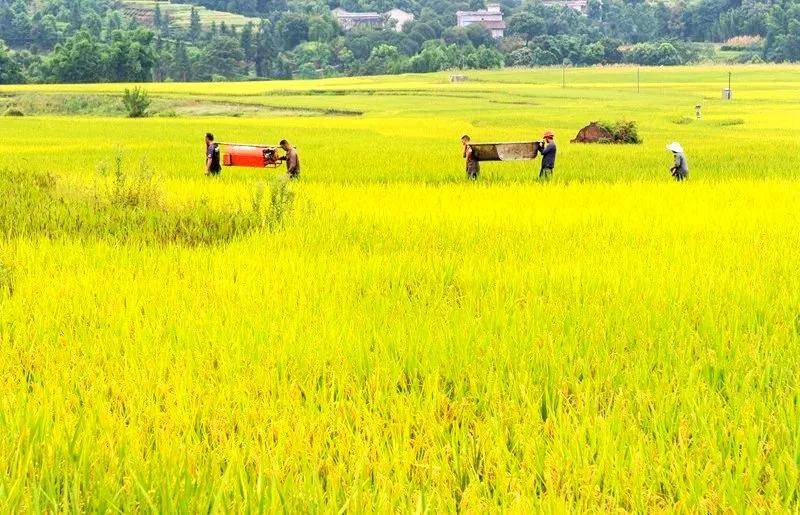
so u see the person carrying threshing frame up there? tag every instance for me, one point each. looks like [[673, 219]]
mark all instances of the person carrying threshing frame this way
[[212, 156], [473, 167], [548, 156], [680, 169], [291, 158]]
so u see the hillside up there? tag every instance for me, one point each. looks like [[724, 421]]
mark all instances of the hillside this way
[[53, 40], [179, 14]]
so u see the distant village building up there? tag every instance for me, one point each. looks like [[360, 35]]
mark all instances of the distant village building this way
[[491, 19], [350, 20], [398, 18], [395, 19], [579, 5]]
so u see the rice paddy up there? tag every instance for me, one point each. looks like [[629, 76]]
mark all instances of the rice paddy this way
[[384, 335]]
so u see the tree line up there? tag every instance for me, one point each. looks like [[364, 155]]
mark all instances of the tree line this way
[[91, 41]]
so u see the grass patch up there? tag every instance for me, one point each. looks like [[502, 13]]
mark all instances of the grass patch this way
[[108, 105], [727, 122], [125, 207]]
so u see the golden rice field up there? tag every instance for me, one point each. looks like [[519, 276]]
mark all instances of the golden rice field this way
[[384, 335]]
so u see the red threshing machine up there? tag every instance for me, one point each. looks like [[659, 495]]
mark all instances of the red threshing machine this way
[[254, 156]]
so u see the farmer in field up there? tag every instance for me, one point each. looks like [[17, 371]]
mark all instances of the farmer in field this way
[[473, 167], [212, 156], [291, 158], [680, 169], [548, 156]]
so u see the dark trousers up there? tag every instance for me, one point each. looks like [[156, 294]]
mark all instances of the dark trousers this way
[[545, 174], [679, 175]]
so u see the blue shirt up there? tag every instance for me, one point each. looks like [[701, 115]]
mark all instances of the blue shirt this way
[[549, 155]]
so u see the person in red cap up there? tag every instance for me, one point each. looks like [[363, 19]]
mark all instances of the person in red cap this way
[[548, 156]]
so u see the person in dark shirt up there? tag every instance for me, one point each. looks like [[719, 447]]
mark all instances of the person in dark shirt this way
[[291, 158], [473, 166], [548, 156], [212, 156]]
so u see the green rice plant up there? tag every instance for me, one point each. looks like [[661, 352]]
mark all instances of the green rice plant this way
[[728, 122]]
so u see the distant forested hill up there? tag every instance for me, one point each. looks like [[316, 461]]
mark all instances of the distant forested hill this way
[[133, 40]]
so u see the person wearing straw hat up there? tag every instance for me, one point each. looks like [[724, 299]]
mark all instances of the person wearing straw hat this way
[[548, 156], [680, 170]]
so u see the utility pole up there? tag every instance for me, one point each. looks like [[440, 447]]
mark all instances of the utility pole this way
[[728, 93]]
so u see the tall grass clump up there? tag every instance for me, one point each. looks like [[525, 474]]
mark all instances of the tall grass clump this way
[[136, 102], [128, 206], [281, 202], [623, 131]]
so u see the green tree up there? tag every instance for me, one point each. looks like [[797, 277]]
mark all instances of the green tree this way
[[10, 72], [783, 32], [422, 32], [163, 57], [594, 10], [479, 36], [93, 23], [16, 27], [292, 29], [114, 22], [46, 32], [79, 59], [29, 65], [157, 19], [321, 29], [456, 36], [526, 25], [181, 66], [382, 60], [266, 49], [593, 53], [432, 58], [542, 57], [75, 18], [247, 42], [521, 57], [313, 52], [195, 28], [485, 57], [131, 56], [224, 57]]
